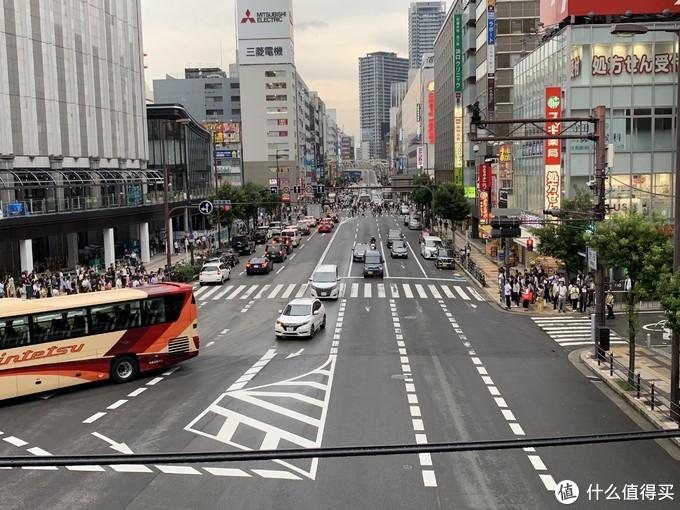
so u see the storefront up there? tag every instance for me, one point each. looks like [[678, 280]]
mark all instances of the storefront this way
[[634, 78]]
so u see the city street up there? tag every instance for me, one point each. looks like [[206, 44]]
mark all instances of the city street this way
[[416, 357]]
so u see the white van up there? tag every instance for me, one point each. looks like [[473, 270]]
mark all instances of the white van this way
[[293, 234], [324, 282]]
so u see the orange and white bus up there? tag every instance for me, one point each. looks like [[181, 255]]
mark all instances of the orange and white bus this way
[[52, 343]]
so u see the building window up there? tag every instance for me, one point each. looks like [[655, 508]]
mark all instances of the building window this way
[[281, 169], [277, 133], [236, 111], [214, 113], [274, 74], [213, 86], [279, 146], [277, 97], [277, 122], [234, 85], [276, 85], [214, 99], [273, 110]]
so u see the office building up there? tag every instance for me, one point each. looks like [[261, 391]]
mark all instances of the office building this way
[[424, 21], [347, 148], [377, 72], [74, 185]]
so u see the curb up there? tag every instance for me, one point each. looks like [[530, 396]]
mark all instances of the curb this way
[[634, 403]]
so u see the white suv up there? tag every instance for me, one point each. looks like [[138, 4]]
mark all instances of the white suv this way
[[324, 282], [301, 317]]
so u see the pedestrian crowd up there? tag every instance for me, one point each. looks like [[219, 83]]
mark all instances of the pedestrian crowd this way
[[536, 287], [33, 285]]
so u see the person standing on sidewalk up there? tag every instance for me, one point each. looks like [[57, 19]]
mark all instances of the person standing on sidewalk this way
[[507, 290], [516, 290], [562, 292], [609, 302], [527, 297], [573, 296]]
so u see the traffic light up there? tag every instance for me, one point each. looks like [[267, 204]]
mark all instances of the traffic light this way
[[504, 227], [476, 117], [226, 208], [530, 244]]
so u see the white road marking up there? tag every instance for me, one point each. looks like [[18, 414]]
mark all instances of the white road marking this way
[[86, 468], [447, 291], [117, 404], [236, 292], [227, 472], [421, 291], [210, 344], [415, 257], [38, 452], [508, 415], [210, 292], [475, 294], [292, 256], [248, 292], [281, 269], [516, 429], [137, 392], [387, 269], [407, 290], [222, 293], [131, 468], [91, 419], [154, 381], [178, 470], [434, 291], [549, 482], [461, 293], [429, 479], [302, 290], [537, 463], [355, 290], [381, 290], [394, 290], [276, 290], [15, 441], [367, 290], [289, 291], [264, 289]]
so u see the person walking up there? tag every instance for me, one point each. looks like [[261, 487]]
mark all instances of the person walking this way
[[562, 292], [609, 302], [508, 294]]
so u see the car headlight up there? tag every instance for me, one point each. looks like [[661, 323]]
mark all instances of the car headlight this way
[[279, 323]]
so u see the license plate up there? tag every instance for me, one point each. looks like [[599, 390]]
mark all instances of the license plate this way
[[290, 329], [256, 267], [370, 272], [323, 293]]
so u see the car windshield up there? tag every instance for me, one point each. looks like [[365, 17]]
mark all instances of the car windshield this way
[[360, 247], [373, 259], [323, 277], [398, 244], [432, 243], [297, 310]]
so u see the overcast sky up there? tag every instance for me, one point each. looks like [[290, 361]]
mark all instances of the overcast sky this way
[[330, 36]]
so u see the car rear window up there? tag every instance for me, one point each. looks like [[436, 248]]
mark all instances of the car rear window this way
[[210, 269]]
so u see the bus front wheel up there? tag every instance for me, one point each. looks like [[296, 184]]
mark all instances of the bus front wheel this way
[[124, 369]]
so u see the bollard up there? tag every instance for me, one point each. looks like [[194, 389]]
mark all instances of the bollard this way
[[649, 340], [652, 396], [638, 385], [611, 364]]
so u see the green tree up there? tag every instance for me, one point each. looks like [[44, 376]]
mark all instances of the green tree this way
[[564, 239], [421, 196], [637, 244], [450, 203]]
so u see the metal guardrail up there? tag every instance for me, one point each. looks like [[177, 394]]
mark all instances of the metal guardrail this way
[[645, 391]]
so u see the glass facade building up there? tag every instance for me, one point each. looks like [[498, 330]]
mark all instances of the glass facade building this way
[[635, 79]]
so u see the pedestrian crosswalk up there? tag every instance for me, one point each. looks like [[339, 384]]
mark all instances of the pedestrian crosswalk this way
[[366, 290], [571, 331]]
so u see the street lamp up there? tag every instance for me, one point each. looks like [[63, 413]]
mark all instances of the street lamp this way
[[635, 29]]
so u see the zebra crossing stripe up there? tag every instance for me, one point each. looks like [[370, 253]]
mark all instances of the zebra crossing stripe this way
[[367, 290], [289, 291], [341, 289], [394, 290], [236, 292], [276, 290], [434, 291], [247, 293], [462, 293], [222, 293], [355, 290], [200, 291], [448, 292], [262, 291], [407, 290], [211, 292], [381, 290], [302, 290], [421, 290], [475, 294]]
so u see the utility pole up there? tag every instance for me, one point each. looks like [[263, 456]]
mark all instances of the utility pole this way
[[219, 219], [599, 206]]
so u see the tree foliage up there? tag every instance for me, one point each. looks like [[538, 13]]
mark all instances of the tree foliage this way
[[670, 300], [450, 202], [566, 238], [246, 199], [421, 196]]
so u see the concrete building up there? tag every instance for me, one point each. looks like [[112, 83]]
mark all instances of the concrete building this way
[[377, 71], [424, 21], [74, 183], [208, 94], [347, 148]]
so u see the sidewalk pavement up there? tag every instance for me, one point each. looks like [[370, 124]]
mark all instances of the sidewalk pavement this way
[[653, 368], [158, 261]]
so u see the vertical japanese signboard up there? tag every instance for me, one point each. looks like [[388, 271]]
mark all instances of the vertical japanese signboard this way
[[553, 150], [430, 112], [458, 108], [484, 183], [491, 56], [420, 157]]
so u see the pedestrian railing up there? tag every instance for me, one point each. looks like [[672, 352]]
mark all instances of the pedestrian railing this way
[[633, 383], [471, 267]]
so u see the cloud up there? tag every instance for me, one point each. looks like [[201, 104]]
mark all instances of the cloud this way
[[304, 25]]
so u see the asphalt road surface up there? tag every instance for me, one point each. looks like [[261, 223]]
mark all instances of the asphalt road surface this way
[[416, 357]]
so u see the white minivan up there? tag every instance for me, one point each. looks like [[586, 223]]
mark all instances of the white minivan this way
[[324, 282]]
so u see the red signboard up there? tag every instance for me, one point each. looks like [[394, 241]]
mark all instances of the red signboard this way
[[555, 11], [484, 183], [553, 110]]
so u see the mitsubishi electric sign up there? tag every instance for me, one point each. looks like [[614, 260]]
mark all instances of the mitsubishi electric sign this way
[[265, 19]]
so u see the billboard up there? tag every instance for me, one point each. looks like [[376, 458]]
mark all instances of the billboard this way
[[265, 51], [458, 52], [553, 149], [265, 19], [555, 11], [484, 184], [224, 132], [420, 157], [430, 112]]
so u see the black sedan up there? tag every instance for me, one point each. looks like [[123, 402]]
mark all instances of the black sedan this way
[[229, 257], [359, 252], [398, 249], [276, 252], [394, 235], [444, 259], [259, 265]]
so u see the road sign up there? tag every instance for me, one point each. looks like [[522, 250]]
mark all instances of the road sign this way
[[285, 189], [309, 189], [273, 190], [321, 189], [592, 259], [296, 190], [285, 197], [226, 154], [205, 207]]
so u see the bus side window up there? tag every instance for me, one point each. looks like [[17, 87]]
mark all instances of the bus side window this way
[[173, 307], [13, 332], [153, 311]]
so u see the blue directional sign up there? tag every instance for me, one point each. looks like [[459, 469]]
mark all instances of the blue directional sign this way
[[296, 190], [226, 154], [491, 27], [205, 207], [273, 190]]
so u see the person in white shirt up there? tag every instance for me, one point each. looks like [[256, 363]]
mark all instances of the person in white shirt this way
[[508, 294]]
